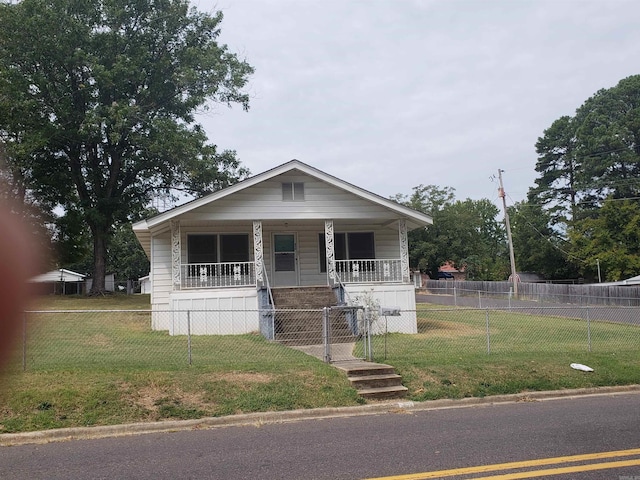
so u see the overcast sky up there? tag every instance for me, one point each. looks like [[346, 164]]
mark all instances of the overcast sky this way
[[391, 94]]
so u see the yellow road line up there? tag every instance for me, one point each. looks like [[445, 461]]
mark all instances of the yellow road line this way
[[513, 465], [563, 470]]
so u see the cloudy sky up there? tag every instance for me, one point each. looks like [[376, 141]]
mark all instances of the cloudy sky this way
[[391, 94]]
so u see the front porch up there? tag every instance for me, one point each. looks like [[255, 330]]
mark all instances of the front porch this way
[[217, 255], [243, 274]]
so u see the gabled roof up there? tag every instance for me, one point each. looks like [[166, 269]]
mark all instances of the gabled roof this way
[[415, 217], [59, 275]]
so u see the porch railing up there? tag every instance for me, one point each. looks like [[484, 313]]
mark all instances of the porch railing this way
[[216, 275], [370, 271]]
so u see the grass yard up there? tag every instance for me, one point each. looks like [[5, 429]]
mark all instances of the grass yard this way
[[451, 357], [106, 367]]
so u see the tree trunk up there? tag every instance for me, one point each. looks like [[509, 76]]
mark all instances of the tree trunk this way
[[100, 237]]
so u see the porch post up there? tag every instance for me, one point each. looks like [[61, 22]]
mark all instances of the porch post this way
[[176, 252], [258, 254], [330, 251], [404, 250]]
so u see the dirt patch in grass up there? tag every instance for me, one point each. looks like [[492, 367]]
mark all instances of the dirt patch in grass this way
[[154, 399], [438, 328], [158, 398], [242, 377], [98, 340]]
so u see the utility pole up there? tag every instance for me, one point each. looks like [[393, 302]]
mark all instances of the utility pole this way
[[512, 258]]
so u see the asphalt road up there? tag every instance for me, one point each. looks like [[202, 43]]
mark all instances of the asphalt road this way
[[389, 444]]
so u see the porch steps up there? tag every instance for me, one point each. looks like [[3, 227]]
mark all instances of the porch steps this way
[[375, 381], [303, 297], [298, 319]]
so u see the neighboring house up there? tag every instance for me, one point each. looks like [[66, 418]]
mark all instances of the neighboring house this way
[[629, 282], [145, 284], [449, 272], [633, 281], [60, 282], [291, 226]]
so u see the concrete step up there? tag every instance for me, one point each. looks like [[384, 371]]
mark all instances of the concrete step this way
[[380, 393], [375, 381], [360, 369]]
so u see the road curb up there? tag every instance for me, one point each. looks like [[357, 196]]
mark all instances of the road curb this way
[[266, 418]]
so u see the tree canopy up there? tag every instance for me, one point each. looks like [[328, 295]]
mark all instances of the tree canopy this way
[[589, 181], [464, 233], [97, 105]]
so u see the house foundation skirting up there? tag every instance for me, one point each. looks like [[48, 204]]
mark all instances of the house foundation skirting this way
[[238, 311]]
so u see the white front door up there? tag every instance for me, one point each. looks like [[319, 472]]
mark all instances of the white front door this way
[[285, 271]]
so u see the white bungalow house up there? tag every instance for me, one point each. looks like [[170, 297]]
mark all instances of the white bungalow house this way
[[291, 226]]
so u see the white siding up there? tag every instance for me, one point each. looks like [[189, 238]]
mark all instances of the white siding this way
[[264, 201]]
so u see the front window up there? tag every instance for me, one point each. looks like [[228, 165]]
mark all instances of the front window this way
[[224, 248], [202, 249], [234, 248], [348, 246]]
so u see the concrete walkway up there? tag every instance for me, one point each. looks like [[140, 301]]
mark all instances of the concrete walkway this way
[[340, 352]]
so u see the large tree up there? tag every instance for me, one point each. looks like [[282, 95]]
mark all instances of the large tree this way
[[610, 240], [98, 99], [558, 167], [589, 166], [538, 247], [464, 233], [609, 142]]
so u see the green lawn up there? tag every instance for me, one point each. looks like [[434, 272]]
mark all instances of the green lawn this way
[[451, 356], [104, 368], [108, 367]]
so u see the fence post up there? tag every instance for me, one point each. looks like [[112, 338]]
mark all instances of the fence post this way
[[455, 297], [479, 300], [488, 333], [589, 329], [326, 335], [24, 342], [364, 333], [189, 334], [367, 316]]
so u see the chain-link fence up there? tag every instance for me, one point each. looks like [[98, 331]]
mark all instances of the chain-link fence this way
[[111, 340], [108, 340], [489, 294], [514, 331]]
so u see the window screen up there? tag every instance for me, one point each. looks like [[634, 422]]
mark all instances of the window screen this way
[[202, 249], [234, 248], [361, 245]]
